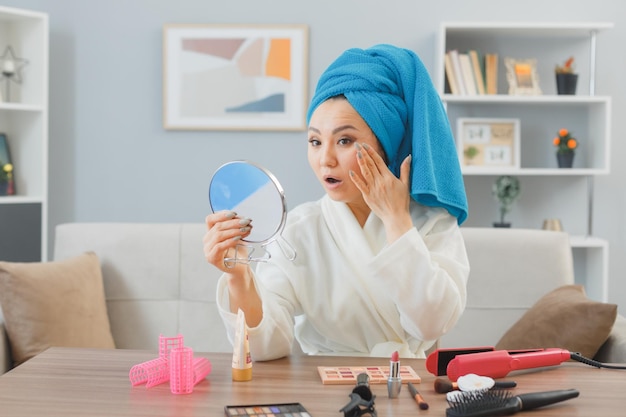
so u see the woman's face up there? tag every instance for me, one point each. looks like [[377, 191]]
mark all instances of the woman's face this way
[[334, 128]]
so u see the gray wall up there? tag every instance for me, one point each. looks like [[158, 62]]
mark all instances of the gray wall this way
[[111, 160]]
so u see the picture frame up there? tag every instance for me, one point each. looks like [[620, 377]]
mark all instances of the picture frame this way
[[235, 77], [522, 77], [488, 143]]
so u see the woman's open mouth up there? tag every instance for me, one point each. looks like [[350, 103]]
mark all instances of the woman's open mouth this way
[[332, 182]]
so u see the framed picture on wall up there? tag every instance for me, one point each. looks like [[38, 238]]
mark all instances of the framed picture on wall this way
[[488, 143], [235, 77]]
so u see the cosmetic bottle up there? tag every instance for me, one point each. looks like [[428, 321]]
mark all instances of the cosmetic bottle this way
[[242, 361]]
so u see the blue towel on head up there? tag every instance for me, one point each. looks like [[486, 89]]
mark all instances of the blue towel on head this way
[[392, 91]]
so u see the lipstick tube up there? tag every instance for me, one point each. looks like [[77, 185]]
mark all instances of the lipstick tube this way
[[394, 382]]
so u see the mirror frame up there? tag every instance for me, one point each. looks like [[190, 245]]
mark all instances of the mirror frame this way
[[276, 235]]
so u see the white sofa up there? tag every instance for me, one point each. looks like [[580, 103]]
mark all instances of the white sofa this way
[[157, 281]]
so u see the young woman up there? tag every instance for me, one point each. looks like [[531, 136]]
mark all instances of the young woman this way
[[381, 263]]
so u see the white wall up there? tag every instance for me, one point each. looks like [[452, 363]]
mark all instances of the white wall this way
[[111, 160]]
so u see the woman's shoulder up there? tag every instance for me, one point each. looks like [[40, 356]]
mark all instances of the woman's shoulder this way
[[427, 218], [305, 212], [301, 223], [421, 210]]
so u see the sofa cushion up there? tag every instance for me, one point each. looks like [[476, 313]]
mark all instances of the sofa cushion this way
[[57, 303], [564, 318], [614, 349]]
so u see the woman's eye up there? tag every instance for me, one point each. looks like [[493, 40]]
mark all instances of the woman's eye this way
[[314, 142], [345, 141]]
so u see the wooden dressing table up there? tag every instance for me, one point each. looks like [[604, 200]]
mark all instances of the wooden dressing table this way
[[92, 382]]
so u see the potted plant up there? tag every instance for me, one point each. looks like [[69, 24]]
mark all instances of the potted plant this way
[[566, 78], [565, 145], [506, 190]]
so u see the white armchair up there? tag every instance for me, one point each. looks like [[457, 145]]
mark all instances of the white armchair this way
[[511, 269]]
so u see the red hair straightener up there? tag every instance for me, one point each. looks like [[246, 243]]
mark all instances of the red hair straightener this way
[[486, 361]]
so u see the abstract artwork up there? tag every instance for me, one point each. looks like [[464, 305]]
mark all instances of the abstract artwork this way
[[234, 77]]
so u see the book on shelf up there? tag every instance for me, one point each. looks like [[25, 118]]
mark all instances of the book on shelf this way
[[491, 73], [7, 182], [477, 68], [468, 74], [456, 65], [450, 75]]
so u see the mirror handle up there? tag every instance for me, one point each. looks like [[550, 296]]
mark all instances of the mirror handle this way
[[286, 248]]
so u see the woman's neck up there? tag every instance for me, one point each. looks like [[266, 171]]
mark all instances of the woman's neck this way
[[361, 211]]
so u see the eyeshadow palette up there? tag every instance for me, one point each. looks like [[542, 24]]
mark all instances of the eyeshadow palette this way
[[269, 410], [345, 375]]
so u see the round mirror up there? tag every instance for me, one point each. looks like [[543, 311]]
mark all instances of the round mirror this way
[[251, 191]]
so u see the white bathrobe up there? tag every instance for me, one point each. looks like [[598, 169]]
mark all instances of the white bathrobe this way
[[350, 293]]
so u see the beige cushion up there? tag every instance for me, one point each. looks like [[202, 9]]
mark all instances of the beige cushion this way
[[614, 349], [57, 303], [564, 318]]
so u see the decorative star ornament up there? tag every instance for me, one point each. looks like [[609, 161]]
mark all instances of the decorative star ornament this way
[[11, 66]]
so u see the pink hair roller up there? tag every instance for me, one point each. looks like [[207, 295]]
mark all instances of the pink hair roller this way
[[201, 368], [156, 371], [166, 344], [152, 372], [181, 370], [175, 364]]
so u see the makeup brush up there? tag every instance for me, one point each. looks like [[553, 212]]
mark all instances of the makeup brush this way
[[421, 402], [443, 385], [499, 402]]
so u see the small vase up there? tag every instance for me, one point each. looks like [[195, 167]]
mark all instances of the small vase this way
[[565, 160], [566, 83]]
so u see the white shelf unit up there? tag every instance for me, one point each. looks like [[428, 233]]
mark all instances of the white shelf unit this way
[[24, 120], [586, 115], [591, 257]]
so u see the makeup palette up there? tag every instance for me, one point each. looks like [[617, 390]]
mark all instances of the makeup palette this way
[[346, 375], [269, 410]]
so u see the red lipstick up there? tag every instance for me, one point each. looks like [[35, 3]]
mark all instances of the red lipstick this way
[[394, 383]]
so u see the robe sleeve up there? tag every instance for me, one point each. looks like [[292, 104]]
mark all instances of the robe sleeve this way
[[274, 335], [425, 273]]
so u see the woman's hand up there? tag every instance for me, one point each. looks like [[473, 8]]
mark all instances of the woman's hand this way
[[224, 233], [385, 194], [223, 240]]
